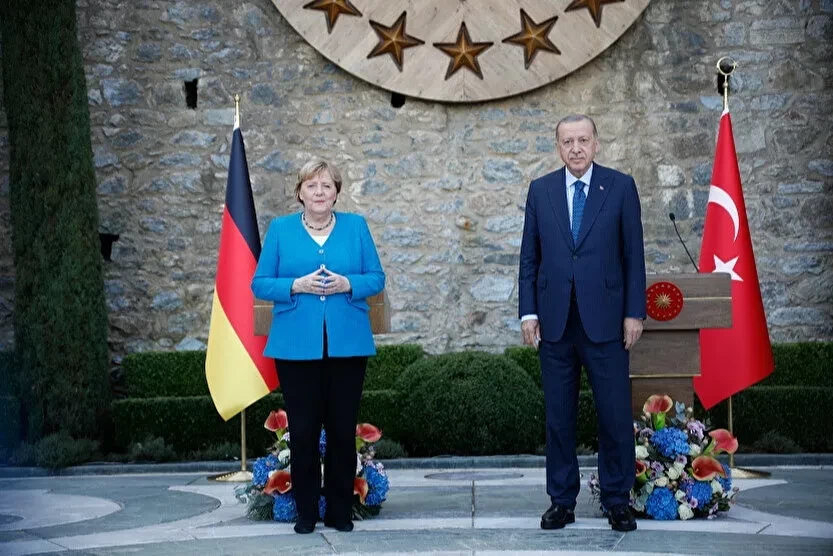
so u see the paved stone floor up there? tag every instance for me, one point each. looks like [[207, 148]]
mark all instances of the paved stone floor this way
[[481, 511]]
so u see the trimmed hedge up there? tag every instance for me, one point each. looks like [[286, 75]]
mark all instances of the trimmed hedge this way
[[381, 408], [385, 367], [192, 423], [800, 413], [189, 423], [801, 364], [470, 403], [9, 422], [161, 374]]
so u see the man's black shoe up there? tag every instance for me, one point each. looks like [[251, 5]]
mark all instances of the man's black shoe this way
[[304, 526], [557, 517], [621, 519]]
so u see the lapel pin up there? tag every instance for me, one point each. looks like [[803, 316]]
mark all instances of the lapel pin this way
[[602, 187]]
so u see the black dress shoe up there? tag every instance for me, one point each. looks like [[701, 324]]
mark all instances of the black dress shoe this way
[[557, 517], [344, 526], [621, 519], [304, 526]]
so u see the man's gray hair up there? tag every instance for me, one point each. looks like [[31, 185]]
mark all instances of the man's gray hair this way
[[572, 118]]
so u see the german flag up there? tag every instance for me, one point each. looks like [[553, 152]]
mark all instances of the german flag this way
[[237, 372]]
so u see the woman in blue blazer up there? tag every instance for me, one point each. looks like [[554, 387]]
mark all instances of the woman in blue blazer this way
[[318, 267]]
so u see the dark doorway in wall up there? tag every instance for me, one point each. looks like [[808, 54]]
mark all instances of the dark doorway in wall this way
[[191, 93]]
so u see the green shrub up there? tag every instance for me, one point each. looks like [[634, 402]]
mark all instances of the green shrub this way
[[151, 449], [9, 422], [60, 324], [527, 359], [380, 408], [469, 403], [389, 449], [24, 455], [160, 374], [801, 364], [385, 367], [799, 413], [772, 442], [190, 423], [61, 450]]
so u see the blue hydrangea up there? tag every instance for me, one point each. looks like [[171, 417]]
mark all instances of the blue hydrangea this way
[[378, 486], [670, 442], [701, 491], [284, 508], [322, 507], [727, 482], [661, 504], [261, 469], [322, 443]]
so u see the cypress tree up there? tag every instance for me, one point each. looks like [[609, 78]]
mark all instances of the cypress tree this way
[[60, 319]]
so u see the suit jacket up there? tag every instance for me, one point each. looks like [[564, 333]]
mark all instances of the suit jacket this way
[[289, 252], [606, 265]]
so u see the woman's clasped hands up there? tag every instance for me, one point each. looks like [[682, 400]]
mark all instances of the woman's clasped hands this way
[[321, 282]]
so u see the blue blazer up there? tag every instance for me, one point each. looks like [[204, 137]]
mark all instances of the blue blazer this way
[[606, 264], [298, 320]]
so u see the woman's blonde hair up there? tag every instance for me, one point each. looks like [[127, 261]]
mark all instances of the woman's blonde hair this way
[[312, 168]]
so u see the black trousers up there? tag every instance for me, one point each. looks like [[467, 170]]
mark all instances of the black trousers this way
[[323, 392]]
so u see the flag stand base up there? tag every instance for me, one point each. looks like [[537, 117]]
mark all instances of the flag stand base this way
[[233, 477], [241, 476], [741, 473]]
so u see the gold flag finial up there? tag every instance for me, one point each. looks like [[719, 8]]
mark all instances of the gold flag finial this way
[[725, 67], [236, 111]]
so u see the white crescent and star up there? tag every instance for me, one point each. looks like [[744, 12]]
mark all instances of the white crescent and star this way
[[722, 199]]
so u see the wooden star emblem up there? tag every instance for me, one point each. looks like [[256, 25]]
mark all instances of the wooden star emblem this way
[[393, 40], [594, 6], [333, 9], [534, 37], [463, 52]]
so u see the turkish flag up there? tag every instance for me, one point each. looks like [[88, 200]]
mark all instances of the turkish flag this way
[[731, 359]]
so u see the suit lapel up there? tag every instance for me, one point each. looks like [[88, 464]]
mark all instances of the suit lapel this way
[[557, 192], [599, 188]]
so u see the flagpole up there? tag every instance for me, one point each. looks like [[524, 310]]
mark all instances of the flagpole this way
[[725, 67], [244, 475]]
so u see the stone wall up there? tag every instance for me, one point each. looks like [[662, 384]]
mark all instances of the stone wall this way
[[425, 173]]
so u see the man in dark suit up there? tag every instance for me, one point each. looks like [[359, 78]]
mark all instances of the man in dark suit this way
[[582, 302]]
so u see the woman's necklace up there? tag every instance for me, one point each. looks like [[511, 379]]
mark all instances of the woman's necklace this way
[[313, 228]]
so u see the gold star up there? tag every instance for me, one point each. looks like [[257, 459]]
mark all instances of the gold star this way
[[463, 52], [595, 7], [333, 9], [534, 37], [393, 40]]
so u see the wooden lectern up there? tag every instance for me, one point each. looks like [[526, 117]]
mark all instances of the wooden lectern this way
[[667, 356], [379, 315]]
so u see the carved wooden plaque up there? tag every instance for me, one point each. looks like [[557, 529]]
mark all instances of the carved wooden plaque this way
[[460, 50]]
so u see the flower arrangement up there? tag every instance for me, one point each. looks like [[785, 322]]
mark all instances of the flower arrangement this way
[[270, 496], [677, 473]]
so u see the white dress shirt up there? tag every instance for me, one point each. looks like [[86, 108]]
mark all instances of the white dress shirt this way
[[570, 190]]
